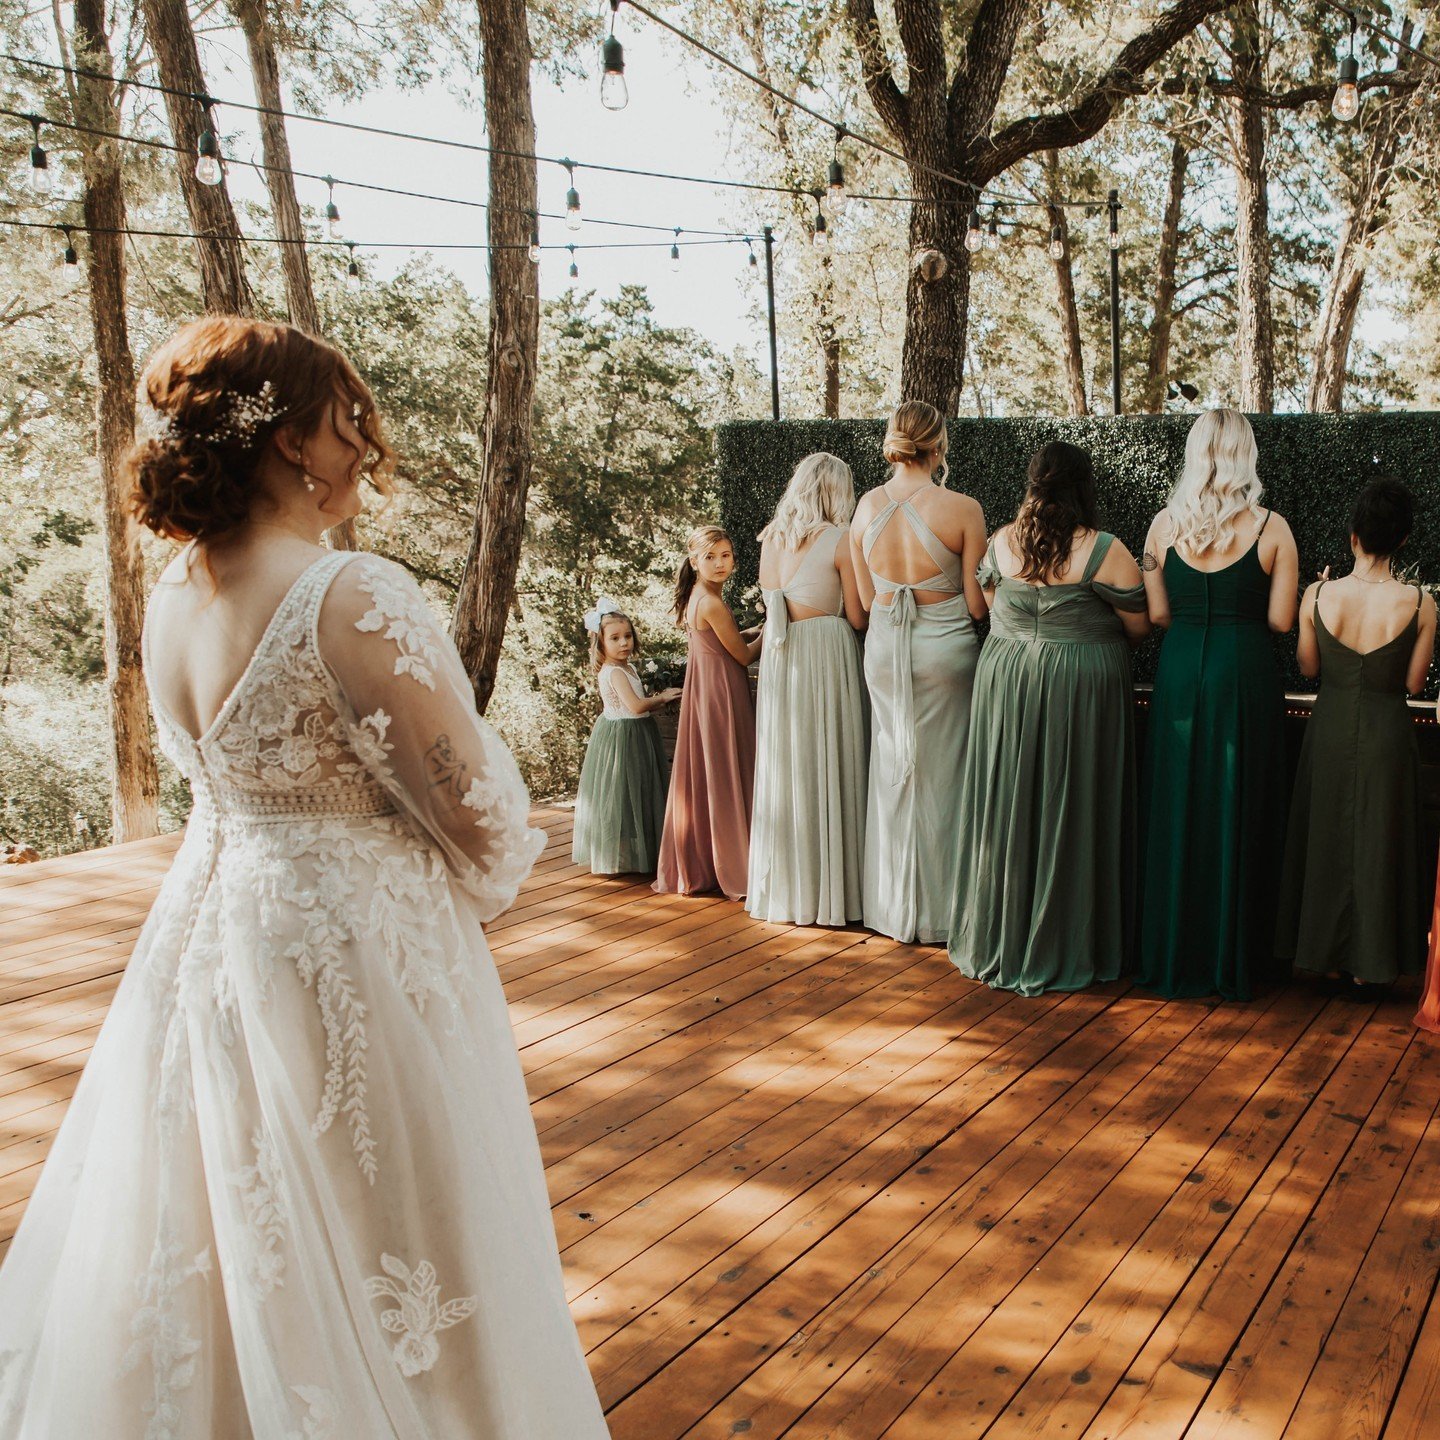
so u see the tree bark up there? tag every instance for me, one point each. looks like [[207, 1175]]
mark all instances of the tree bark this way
[[487, 585], [1256, 333], [831, 350], [223, 284], [135, 790], [1157, 370], [1071, 345]]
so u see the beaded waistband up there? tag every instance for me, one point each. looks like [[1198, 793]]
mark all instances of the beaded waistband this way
[[274, 807]]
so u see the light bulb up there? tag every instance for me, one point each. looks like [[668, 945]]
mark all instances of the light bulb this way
[[1346, 104], [207, 166], [574, 271], [40, 176], [974, 239], [838, 197], [352, 274], [1114, 239], [572, 209], [754, 261], [70, 261], [535, 250], [614, 93], [992, 235], [1057, 243], [675, 259]]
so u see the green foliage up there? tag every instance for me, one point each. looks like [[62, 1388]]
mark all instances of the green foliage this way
[[1311, 465]]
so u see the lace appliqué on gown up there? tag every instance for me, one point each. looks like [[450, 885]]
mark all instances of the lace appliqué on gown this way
[[418, 1317]]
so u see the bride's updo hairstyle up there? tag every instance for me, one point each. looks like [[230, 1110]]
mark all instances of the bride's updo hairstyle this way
[[915, 433], [211, 400], [1059, 500]]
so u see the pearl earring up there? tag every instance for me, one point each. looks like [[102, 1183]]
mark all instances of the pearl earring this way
[[309, 483]]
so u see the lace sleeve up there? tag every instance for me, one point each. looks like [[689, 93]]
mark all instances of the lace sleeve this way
[[411, 715]]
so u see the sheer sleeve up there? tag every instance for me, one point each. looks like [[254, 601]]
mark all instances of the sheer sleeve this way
[[411, 716]]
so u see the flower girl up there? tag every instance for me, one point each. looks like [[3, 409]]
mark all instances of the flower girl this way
[[620, 809]]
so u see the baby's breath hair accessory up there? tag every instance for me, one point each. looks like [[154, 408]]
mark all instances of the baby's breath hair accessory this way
[[242, 417], [595, 618]]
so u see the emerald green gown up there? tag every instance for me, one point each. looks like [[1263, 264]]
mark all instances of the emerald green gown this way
[[1351, 897], [1044, 891], [1213, 786]]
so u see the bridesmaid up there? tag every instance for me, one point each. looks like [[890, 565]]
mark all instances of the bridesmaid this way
[[1350, 901], [1221, 573], [1044, 887], [706, 841], [807, 842], [917, 580]]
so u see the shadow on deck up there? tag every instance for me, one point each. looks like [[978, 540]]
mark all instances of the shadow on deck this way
[[812, 1183]]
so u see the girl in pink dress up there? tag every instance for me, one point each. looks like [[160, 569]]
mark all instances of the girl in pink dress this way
[[706, 841]]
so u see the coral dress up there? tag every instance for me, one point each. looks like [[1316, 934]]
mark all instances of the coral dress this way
[[1428, 1015], [706, 842], [298, 1192]]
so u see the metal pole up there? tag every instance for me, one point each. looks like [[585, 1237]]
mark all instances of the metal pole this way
[[770, 294], [1114, 207]]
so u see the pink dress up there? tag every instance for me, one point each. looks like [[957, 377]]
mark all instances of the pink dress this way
[[706, 842]]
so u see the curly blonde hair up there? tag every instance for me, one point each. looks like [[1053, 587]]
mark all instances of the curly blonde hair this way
[[1218, 485]]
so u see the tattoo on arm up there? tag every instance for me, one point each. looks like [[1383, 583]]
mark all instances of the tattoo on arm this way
[[1148, 561], [445, 772]]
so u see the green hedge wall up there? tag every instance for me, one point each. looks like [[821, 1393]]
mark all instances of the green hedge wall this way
[[1311, 465]]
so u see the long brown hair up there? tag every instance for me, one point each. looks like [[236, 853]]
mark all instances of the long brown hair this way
[[1059, 500], [697, 543], [195, 478]]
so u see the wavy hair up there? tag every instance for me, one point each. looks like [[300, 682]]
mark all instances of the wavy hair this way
[[597, 639], [699, 540], [821, 493], [915, 432], [1059, 500], [1218, 485]]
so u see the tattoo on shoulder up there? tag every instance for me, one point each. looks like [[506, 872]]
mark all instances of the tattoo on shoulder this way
[[445, 772], [1149, 561]]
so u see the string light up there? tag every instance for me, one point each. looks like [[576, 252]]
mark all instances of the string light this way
[[820, 235], [1057, 243], [838, 197], [614, 92], [750, 246], [572, 199], [69, 258], [534, 238], [1114, 204], [1346, 104], [574, 268], [208, 170], [974, 239], [992, 232], [352, 274], [332, 212], [675, 253], [40, 176]]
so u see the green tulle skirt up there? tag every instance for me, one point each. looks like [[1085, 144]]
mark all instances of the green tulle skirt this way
[[620, 809]]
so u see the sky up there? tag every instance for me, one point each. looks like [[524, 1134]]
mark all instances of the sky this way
[[667, 125]]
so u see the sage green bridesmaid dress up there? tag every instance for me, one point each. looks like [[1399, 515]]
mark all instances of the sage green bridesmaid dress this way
[[1044, 892], [1351, 898], [1213, 786]]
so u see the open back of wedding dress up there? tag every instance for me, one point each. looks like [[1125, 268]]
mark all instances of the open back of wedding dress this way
[[298, 1194]]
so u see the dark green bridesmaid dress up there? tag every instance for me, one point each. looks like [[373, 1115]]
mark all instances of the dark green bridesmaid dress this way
[[1213, 786], [1351, 898]]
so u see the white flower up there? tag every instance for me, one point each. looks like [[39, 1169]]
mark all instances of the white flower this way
[[419, 1316]]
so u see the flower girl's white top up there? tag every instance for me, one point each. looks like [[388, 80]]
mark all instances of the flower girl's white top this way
[[610, 677], [298, 1194]]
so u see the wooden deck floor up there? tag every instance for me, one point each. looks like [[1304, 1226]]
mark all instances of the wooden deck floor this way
[[811, 1183]]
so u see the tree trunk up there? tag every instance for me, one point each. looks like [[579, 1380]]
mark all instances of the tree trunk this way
[[932, 366], [254, 18], [1256, 337], [1071, 344], [831, 348], [223, 284], [1157, 371], [1336, 326], [487, 585], [136, 783]]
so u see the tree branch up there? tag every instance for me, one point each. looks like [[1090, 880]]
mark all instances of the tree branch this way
[[1087, 117], [980, 76], [885, 95], [1302, 95]]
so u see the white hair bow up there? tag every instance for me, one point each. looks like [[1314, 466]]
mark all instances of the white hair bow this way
[[603, 606]]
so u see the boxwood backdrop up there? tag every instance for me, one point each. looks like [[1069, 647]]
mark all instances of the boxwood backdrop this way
[[1311, 466]]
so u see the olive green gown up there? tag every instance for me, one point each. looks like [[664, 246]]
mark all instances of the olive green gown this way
[[1351, 897], [1045, 887], [1213, 787]]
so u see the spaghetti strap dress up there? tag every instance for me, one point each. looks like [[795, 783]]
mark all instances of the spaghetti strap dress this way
[[1350, 896], [1213, 786], [920, 668], [807, 841], [1044, 890], [706, 840]]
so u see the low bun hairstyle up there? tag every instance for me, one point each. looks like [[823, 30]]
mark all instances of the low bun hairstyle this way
[[915, 432], [1383, 517], [194, 477], [1059, 500]]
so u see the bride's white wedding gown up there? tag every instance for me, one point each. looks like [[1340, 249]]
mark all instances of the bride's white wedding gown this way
[[298, 1194]]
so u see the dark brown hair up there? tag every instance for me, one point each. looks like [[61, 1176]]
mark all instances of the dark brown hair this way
[[1059, 500], [195, 478]]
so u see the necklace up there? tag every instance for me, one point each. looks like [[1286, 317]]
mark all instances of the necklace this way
[[1365, 580]]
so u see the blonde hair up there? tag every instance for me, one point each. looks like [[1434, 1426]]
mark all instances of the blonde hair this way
[[916, 431], [1218, 485], [821, 493], [699, 540], [597, 639]]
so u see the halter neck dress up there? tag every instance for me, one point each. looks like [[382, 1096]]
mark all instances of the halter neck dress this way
[[1350, 896], [1043, 896], [807, 837], [920, 667], [1213, 788]]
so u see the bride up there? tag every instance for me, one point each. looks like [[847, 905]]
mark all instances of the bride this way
[[298, 1194]]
